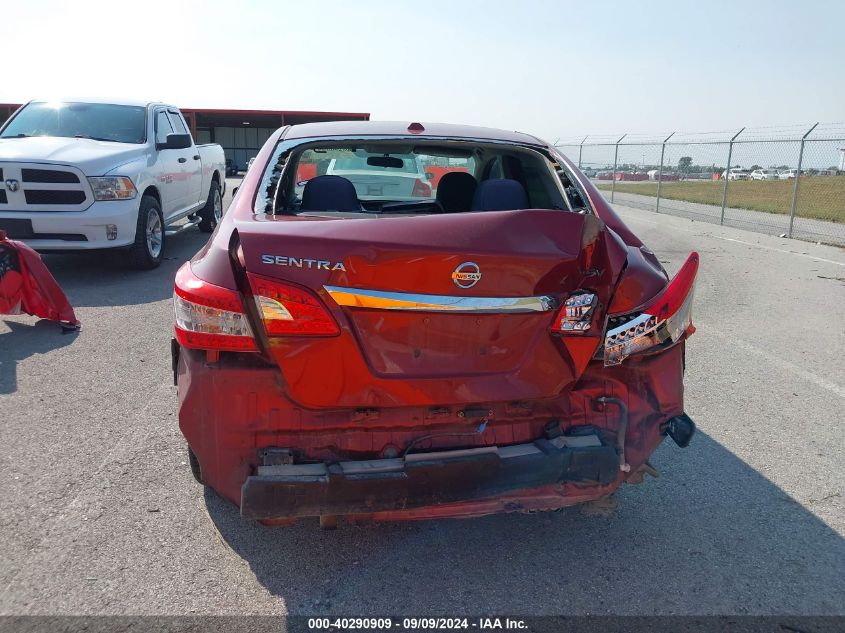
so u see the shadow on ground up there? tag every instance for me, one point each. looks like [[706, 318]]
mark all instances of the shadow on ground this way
[[103, 278], [22, 341], [710, 536]]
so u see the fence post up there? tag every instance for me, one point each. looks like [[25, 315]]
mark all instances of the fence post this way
[[580, 150], [727, 175], [798, 180], [613, 178], [660, 171]]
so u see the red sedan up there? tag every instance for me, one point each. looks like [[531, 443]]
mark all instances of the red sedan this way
[[348, 347]]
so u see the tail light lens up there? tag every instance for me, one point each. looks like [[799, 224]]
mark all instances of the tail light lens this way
[[208, 316], [421, 189], [663, 320], [287, 310], [211, 317]]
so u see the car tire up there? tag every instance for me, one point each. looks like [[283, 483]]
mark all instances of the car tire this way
[[147, 250], [196, 469], [212, 212]]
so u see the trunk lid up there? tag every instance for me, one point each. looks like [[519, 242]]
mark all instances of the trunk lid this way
[[437, 309]]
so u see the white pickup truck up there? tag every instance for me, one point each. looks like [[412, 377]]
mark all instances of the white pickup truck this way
[[94, 175]]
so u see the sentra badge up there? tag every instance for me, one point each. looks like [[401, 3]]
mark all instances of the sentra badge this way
[[302, 262]]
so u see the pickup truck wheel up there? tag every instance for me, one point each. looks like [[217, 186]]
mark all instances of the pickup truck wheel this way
[[147, 250], [196, 469], [212, 212]]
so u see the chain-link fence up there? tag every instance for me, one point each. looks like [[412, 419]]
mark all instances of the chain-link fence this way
[[782, 181]]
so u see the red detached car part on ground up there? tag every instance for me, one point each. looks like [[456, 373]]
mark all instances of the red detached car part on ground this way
[[347, 346], [27, 286]]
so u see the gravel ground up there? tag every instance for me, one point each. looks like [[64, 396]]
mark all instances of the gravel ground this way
[[99, 513]]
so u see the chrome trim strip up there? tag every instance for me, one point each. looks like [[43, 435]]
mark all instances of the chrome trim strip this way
[[381, 300]]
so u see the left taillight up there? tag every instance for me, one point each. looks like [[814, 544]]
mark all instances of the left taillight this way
[[421, 189], [210, 317], [662, 321], [288, 310]]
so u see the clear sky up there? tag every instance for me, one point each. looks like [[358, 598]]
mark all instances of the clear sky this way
[[556, 69]]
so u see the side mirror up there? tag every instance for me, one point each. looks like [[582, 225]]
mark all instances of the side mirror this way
[[176, 141]]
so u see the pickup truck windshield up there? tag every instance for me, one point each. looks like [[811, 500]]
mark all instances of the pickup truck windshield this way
[[98, 121]]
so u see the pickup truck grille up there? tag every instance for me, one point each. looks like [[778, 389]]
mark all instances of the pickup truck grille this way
[[42, 188], [35, 196], [48, 175]]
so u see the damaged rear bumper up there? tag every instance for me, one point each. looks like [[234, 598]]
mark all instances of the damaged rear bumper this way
[[426, 479]]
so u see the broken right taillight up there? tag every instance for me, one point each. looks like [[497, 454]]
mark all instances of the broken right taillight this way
[[662, 321], [576, 314]]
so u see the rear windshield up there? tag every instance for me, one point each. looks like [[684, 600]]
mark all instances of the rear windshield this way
[[407, 176], [99, 121]]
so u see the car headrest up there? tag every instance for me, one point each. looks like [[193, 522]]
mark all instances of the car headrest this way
[[329, 193], [501, 194], [455, 191]]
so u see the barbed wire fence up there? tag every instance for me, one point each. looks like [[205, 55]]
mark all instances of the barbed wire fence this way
[[786, 181]]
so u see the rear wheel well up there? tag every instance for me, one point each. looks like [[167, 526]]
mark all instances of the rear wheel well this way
[[216, 177]]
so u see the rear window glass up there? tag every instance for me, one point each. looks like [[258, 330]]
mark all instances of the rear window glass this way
[[403, 175], [378, 175]]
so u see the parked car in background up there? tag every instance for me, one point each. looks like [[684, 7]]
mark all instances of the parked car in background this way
[[102, 175], [398, 177], [231, 167], [736, 173], [249, 163], [358, 345], [786, 174], [764, 174]]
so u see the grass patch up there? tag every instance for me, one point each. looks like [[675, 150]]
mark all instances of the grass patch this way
[[819, 197]]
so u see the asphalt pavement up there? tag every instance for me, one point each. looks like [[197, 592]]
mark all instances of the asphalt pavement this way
[[99, 513]]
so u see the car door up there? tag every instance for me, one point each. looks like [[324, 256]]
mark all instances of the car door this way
[[171, 179], [192, 166]]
